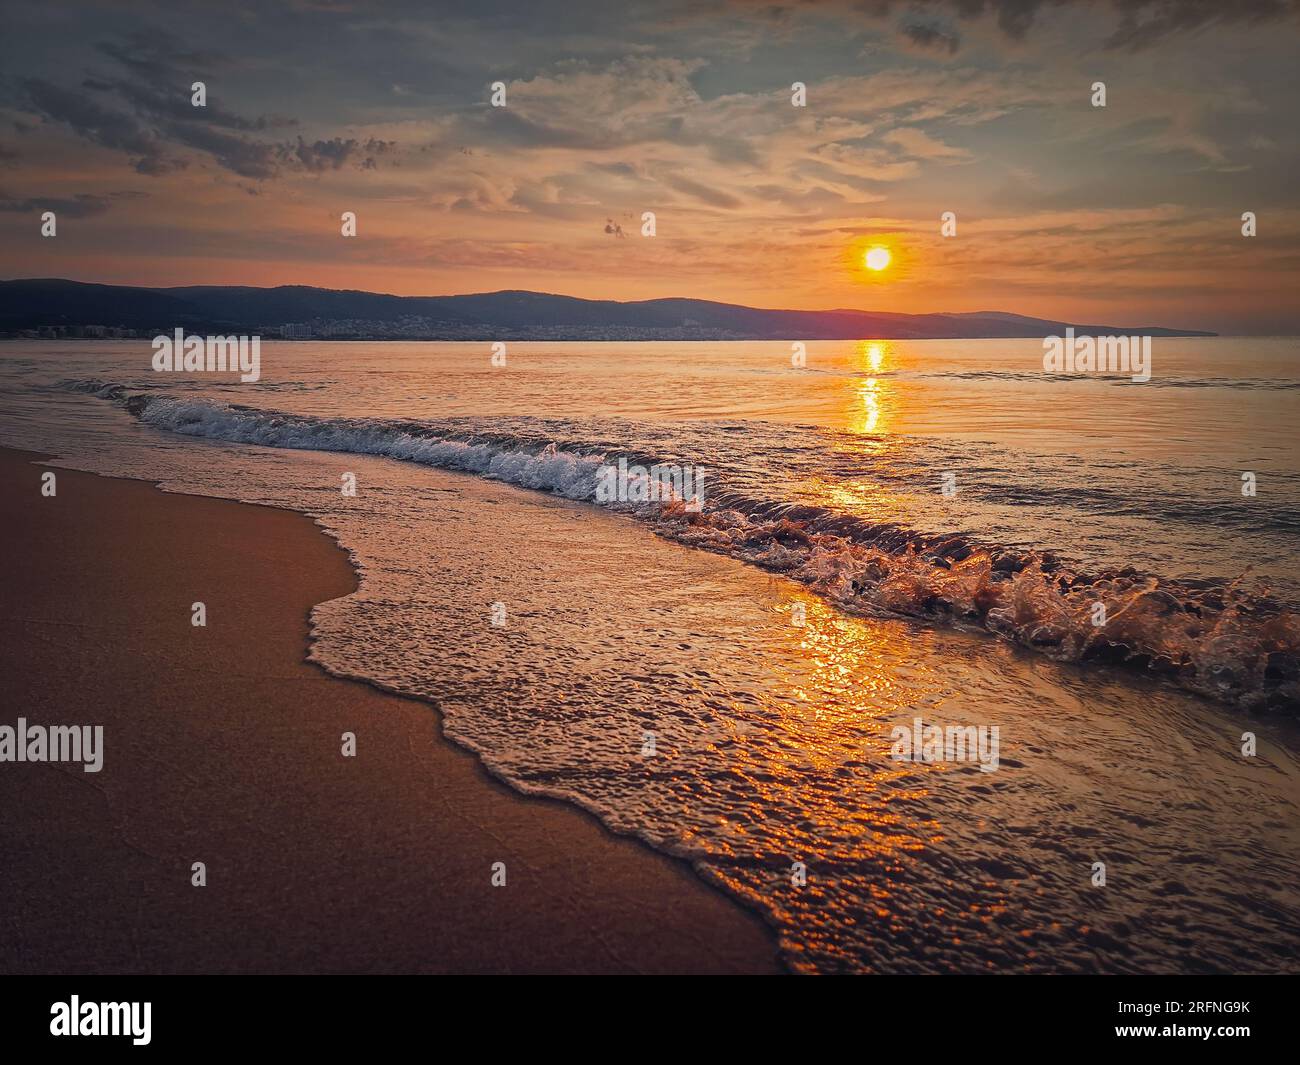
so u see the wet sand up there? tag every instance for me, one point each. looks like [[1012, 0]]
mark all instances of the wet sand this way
[[222, 746]]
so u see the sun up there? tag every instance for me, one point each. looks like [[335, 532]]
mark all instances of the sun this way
[[876, 258]]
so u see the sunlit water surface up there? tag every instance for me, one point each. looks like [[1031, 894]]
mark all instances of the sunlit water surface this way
[[671, 691]]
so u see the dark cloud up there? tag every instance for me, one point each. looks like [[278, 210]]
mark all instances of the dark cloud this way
[[81, 206], [163, 72], [733, 150], [100, 125], [507, 127], [501, 125], [334, 154], [240, 155], [155, 55], [704, 193], [149, 115], [1142, 23], [174, 103], [930, 35], [622, 170]]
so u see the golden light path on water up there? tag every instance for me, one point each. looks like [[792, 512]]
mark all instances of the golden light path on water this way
[[839, 691], [875, 398]]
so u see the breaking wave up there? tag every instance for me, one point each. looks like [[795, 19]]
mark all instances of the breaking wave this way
[[1226, 639]]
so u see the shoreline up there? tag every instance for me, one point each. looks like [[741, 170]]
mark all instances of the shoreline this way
[[222, 745]]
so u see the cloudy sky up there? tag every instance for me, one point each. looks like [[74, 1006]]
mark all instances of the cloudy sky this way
[[1128, 214]]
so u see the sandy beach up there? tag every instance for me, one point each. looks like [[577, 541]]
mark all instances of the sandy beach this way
[[222, 746]]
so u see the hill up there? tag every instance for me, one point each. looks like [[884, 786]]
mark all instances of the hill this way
[[51, 303]]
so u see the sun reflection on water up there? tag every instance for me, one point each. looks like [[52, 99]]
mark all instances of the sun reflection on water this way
[[840, 691], [873, 407]]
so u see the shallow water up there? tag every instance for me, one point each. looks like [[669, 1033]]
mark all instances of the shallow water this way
[[771, 740]]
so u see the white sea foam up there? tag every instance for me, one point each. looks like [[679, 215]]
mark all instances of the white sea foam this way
[[1224, 641], [550, 470]]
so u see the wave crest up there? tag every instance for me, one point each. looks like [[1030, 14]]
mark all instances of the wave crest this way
[[1226, 640]]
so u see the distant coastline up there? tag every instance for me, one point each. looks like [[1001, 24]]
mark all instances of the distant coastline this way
[[51, 308]]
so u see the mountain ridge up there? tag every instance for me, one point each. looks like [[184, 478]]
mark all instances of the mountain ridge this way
[[28, 304]]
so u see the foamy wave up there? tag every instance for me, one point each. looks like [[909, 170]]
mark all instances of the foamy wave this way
[[1219, 639], [1223, 639], [548, 469]]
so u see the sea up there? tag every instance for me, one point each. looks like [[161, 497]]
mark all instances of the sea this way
[[1098, 577]]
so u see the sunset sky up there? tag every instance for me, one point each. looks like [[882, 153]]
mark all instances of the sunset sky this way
[[1128, 215]]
